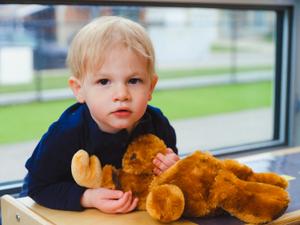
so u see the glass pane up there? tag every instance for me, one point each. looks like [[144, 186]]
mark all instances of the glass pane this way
[[221, 65], [215, 68]]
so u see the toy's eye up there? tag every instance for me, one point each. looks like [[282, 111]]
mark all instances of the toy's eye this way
[[133, 156]]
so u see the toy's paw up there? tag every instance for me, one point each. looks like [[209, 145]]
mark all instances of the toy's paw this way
[[86, 170], [251, 202], [165, 203]]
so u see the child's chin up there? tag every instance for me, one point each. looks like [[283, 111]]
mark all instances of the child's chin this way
[[124, 127]]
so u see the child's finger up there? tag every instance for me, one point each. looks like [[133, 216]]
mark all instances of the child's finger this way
[[157, 171], [172, 154], [161, 157], [112, 194], [133, 205], [169, 150], [126, 205], [174, 157], [164, 161], [115, 205], [156, 162], [160, 163]]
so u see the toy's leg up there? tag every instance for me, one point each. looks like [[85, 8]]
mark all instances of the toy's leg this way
[[86, 170], [269, 178], [244, 172], [165, 203], [251, 202]]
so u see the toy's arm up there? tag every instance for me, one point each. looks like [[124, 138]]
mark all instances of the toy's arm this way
[[110, 177], [86, 170]]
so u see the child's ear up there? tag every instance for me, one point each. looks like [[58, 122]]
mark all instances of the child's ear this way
[[75, 85], [153, 84]]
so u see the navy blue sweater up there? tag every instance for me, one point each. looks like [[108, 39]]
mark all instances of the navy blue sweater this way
[[49, 180]]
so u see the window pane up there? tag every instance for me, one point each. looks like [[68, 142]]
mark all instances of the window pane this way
[[215, 68], [223, 61]]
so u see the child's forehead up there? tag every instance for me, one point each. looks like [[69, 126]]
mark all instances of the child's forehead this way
[[115, 52], [119, 46], [111, 51], [119, 50]]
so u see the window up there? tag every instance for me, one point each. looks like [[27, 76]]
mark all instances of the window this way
[[225, 72]]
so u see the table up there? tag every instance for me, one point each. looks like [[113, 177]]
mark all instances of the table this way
[[24, 211]]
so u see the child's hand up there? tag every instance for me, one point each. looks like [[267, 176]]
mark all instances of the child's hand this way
[[109, 201], [163, 162]]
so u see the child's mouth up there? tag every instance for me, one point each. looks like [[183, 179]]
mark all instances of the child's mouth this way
[[122, 113]]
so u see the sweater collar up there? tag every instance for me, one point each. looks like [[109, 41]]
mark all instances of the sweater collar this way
[[104, 140]]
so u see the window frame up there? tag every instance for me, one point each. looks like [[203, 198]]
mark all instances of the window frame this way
[[282, 89], [287, 82]]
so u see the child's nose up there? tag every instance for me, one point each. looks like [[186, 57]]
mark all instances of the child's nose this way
[[121, 93]]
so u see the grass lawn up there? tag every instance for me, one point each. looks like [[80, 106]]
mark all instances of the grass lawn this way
[[207, 71], [30, 121], [186, 103]]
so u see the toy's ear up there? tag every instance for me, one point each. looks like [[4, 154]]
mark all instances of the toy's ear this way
[[86, 170]]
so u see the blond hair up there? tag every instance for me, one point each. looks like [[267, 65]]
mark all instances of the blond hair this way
[[90, 44]]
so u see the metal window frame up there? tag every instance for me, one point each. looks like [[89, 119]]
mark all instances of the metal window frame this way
[[294, 110], [282, 90], [287, 103], [210, 3], [12, 187]]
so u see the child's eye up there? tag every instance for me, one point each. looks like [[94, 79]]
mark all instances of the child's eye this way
[[103, 81], [135, 80]]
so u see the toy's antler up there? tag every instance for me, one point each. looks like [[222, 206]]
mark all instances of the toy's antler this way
[[86, 170]]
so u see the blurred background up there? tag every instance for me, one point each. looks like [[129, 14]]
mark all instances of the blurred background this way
[[215, 67]]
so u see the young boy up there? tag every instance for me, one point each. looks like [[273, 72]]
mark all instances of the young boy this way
[[113, 77]]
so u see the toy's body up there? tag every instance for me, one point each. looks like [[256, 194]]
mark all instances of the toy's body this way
[[209, 185], [198, 185]]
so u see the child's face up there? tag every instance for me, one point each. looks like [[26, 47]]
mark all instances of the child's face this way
[[117, 95]]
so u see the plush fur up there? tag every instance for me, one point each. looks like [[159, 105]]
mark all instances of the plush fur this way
[[196, 186]]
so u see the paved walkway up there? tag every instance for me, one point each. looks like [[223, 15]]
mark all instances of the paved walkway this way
[[224, 130], [199, 133]]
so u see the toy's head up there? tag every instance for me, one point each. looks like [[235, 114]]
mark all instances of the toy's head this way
[[140, 154]]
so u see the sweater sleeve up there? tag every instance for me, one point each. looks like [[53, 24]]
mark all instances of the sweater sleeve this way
[[59, 195], [49, 180]]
